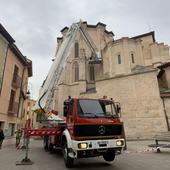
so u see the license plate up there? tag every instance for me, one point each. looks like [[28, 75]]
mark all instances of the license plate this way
[[102, 142]]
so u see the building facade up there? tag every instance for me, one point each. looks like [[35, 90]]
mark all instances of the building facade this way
[[127, 73], [15, 69], [29, 117], [164, 86]]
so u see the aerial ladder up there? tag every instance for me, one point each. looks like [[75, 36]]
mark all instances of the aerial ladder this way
[[46, 100]]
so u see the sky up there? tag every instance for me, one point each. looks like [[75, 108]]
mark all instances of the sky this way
[[36, 24]]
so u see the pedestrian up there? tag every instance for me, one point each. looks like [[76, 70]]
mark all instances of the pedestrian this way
[[2, 137], [18, 137]]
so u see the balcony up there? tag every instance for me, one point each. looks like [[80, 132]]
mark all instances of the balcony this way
[[16, 82], [13, 109]]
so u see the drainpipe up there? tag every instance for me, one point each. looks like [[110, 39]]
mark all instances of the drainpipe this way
[[166, 117]]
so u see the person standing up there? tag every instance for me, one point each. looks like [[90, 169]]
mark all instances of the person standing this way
[[18, 137], [1, 137]]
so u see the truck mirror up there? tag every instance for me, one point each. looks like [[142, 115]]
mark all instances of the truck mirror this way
[[65, 111], [118, 109]]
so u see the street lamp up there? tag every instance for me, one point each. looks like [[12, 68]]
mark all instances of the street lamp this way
[[28, 94]]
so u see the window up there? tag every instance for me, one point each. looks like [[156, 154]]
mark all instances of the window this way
[[71, 111], [71, 108], [76, 72], [11, 129], [92, 73], [95, 109], [11, 101], [132, 58], [1, 125], [119, 59], [76, 50], [15, 74]]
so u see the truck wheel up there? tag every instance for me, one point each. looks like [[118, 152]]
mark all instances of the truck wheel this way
[[50, 147], [45, 144], [109, 155], [67, 160]]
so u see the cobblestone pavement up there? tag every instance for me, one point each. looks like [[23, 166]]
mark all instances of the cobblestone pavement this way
[[137, 157]]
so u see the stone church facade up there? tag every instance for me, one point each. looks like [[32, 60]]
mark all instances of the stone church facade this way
[[128, 73]]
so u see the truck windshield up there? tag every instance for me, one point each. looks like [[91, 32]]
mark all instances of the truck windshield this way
[[96, 109]]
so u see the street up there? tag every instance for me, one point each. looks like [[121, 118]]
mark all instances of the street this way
[[137, 157]]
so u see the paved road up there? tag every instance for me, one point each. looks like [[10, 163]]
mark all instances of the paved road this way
[[135, 158]]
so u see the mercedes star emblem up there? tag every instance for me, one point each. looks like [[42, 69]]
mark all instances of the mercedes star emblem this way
[[101, 130]]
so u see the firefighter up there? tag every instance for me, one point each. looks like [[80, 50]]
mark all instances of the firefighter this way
[[18, 137], [1, 137]]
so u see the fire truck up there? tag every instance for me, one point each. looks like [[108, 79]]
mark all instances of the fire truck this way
[[92, 128], [88, 127]]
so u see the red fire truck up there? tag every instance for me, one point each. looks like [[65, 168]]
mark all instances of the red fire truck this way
[[92, 128]]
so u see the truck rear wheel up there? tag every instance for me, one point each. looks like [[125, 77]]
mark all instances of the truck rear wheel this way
[[67, 160], [45, 143], [109, 155]]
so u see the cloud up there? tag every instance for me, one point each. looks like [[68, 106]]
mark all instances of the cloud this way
[[35, 24]]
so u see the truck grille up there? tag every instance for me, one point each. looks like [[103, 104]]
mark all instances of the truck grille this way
[[97, 130]]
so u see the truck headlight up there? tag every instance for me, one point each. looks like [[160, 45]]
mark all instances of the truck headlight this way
[[119, 142], [82, 145]]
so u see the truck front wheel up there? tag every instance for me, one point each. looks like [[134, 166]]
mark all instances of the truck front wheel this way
[[50, 147], [67, 160], [109, 155]]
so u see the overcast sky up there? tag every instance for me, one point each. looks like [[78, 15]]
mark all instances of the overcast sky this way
[[35, 24]]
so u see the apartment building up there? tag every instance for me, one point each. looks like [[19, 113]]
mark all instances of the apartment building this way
[[29, 117], [15, 69]]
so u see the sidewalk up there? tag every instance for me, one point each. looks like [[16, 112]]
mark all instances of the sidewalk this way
[[8, 141], [138, 156], [138, 146]]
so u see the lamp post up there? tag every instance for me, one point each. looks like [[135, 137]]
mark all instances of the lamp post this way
[[26, 123]]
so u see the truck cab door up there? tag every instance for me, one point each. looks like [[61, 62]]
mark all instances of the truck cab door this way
[[70, 118]]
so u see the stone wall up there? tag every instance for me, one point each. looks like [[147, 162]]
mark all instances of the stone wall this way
[[167, 73], [142, 109], [136, 90], [167, 108]]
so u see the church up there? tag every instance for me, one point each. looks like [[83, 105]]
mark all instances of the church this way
[[132, 70]]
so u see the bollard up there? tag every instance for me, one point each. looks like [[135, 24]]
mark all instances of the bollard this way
[[26, 160]]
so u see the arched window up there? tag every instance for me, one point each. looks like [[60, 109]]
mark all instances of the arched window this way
[[119, 59], [92, 73], [132, 57], [75, 72], [76, 47]]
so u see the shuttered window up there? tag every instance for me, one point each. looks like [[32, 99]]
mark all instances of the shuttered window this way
[[76, 73], [15, 74], [11, 101]]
